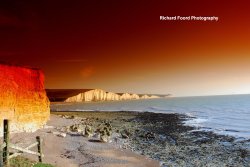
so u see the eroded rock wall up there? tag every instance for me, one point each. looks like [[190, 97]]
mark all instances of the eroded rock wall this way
[[135, 96], [92, 95], [145, 97], [102, 95], [154, 97], [23, 98], [125, 96], [112, 96]]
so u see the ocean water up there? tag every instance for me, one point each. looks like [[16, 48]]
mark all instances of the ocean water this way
[[229, 115]]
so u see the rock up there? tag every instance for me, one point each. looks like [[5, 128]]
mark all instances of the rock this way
[[92, 95], [81, 128], [62, 135], [63, 129], [59, 134], [72, 117], [145, 97], [104, 138], [124, 136], [97, 135], [55, 133], [73, 128], [88, 131], [116, 139], [77, 128], [135, 96], [109, 132], [154, 97], [110, 96], [108, 124], [202, 140], [105, 131], [150, 135], [23, 99], [127, 132], [100, 95], [48, 127], [69, 117], [125, 96]]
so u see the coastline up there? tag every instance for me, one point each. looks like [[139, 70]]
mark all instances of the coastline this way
[[165, 138], [73, 149], [143, 139]]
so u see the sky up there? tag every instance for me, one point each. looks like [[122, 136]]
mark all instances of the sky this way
[[123, 46]]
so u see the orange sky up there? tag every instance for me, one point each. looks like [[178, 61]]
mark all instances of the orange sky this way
[[123, 46]]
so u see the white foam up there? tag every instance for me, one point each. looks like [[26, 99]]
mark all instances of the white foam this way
[[216, 112]]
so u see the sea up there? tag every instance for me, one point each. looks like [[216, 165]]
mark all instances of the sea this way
[[224, 114]]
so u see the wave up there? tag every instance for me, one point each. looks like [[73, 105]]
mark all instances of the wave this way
[[157, 109], [228, 115]]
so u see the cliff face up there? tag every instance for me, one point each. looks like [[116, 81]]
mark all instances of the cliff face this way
[[135, 96], [154, 97], [23, 98], [112, 96], [125, 96], [92, 95], [101, 95], [145, 97]]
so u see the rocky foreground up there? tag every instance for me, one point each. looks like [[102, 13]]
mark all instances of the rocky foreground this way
[[65, 144], [162, 137]]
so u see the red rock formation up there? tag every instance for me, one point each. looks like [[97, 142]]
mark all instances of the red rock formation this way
[[23, 98]]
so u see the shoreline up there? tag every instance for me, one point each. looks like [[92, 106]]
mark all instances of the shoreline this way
[[165, 138], [138, 139], [72, 148], [188, 119]]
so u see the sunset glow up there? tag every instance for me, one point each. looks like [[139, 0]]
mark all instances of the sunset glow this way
[[125, 47]]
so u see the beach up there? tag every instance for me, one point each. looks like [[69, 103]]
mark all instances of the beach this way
[[75, 150], [137, 139], [124, 84]]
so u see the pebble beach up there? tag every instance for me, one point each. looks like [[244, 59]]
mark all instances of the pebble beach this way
[[164, 138]]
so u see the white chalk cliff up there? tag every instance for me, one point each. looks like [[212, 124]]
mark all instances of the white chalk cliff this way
[[92, 95], [135, 96], [110, 96], [125, 96], [102, 95], [154, 97], [145, 97]]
